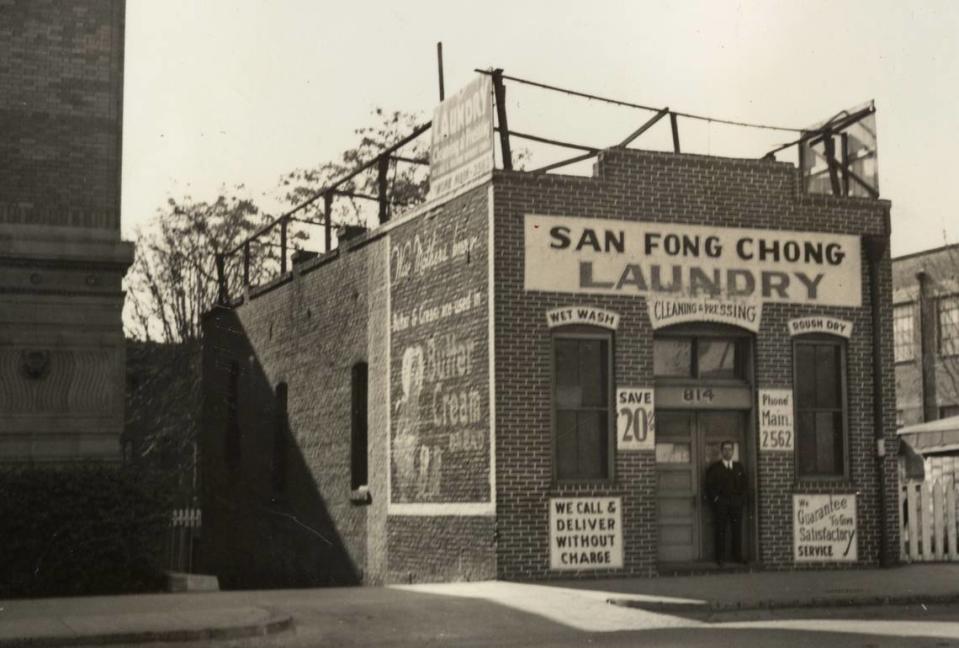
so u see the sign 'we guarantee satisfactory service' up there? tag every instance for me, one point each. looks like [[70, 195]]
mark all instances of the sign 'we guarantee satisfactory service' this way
[[604, 256]]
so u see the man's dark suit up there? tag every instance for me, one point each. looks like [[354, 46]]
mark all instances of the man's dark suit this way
[[726, 491]]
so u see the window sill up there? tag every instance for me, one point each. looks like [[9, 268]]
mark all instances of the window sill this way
[[361, 496], [813, 485]]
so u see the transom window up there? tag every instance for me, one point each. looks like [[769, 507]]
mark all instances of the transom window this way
[[705, 357], [581, 405], [903, 333], [820, 408], [949, 325]]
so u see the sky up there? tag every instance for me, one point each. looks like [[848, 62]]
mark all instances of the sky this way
[[220, 93]]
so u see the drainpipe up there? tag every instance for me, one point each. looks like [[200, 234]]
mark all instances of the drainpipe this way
[[875, 251], [927, 348]]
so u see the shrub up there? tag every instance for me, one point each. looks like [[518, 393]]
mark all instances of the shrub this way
[[83, 529]]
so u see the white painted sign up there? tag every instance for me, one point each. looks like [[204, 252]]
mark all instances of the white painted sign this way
[[635, 420], [666, 311], [585, 533], [776, 429], [830, 325], [462, 144], [617, 257], [589, 315], [824, 528]]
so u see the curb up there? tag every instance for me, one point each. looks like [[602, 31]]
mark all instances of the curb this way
[[276, 623], [816, 602]]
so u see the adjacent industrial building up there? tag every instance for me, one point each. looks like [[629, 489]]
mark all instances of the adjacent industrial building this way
[[527, 376], [926, 347]]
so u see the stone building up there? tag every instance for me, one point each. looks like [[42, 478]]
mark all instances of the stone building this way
[[528, 377], [61, 257]]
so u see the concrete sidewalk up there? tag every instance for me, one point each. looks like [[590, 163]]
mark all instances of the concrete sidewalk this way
[[228, 615], [906, 584], [99, 620]]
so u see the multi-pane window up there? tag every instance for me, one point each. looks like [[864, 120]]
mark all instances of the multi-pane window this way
[[706, 358], [581, 405], [949, 325], [820, 408], [903, 333]]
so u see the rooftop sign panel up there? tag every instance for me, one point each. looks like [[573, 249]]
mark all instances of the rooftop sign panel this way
[[462, 146]]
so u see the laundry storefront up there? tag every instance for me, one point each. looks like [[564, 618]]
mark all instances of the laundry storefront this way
[[553, 362]]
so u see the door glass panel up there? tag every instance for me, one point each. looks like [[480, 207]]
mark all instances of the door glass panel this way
[[677, 453]]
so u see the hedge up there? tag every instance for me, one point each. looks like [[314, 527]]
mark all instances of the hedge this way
[[83, 529]]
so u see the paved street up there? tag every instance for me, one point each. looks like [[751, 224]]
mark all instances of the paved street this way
[[511, 614]]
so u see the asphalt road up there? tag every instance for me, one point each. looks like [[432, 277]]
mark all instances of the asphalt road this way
[[510, 616]]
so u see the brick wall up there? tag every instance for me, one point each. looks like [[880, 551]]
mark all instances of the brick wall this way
[[61, 258], [61, 97], [668, 188], [307, 330]]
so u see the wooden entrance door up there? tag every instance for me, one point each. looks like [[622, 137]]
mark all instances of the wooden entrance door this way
[[687, 442]]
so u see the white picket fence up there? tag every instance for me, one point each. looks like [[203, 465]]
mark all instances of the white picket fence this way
[[928, 529], [184, 529]]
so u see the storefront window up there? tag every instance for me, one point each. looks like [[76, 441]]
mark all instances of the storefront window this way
[[581, 407], [673, 357], [820, 409], [903, 336], [949, 325]]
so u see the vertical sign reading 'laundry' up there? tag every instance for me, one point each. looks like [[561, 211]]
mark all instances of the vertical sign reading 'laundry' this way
[[461, 150], [439, 360]]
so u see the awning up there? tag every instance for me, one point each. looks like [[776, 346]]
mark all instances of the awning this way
[[933, 437]]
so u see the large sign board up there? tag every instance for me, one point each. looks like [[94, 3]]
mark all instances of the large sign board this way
[[585, 533], [662, 260], [439, 366], [462, 146], [824, 528]]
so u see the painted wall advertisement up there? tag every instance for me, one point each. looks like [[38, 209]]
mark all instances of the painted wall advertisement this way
[[439, 362], [635, 419], [668, 261], [824, 528], [585, 533], [462, 145], [776, 430]]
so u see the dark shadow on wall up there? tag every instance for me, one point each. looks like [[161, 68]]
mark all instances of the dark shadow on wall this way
[[266, 523]]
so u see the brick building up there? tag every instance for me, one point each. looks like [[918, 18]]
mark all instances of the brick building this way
[[926, 334], [61, 257], [926, 350], [528, 379]]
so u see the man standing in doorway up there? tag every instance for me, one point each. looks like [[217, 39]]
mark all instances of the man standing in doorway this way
[[726, 490]]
